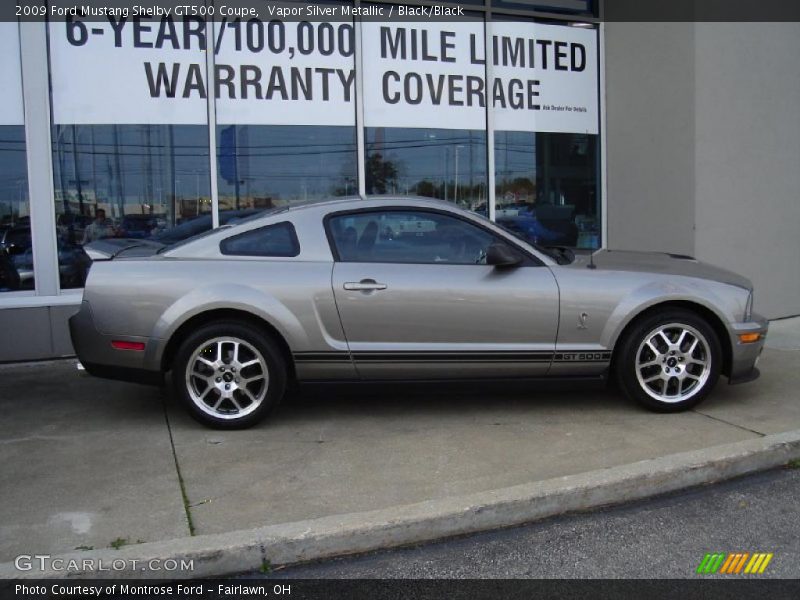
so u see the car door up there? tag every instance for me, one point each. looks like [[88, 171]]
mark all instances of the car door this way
[[417, 300]]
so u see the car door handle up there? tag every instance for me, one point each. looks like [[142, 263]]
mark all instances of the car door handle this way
[[365, 285]]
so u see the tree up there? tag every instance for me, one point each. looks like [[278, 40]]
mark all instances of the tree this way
[[381, 174], [428, 189]]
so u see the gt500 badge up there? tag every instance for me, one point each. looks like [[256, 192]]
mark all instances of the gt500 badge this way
[[583, 356]]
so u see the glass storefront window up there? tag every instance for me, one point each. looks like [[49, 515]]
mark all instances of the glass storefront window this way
[[285, 106], [132, 160], [16, 251], [262, 166], [546, 187], [449, 164], [131, 181], [546, 118], [130, 137], [16, 254], [425, 103]]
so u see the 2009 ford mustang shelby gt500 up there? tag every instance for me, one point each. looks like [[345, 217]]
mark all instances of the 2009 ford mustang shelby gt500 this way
[[403, 289]]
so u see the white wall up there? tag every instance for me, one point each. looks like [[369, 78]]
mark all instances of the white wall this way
[[650, 136], [747, 156], [703, 136]]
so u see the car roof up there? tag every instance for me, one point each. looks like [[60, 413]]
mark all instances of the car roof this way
[[372, 200], [319, 209]]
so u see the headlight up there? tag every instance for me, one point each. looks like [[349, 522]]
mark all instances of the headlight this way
[[748, 308]]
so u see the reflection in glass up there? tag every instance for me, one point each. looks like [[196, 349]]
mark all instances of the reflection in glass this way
[[265, 166], [128, 181], [546, 187], [16, 256], [449, 164]]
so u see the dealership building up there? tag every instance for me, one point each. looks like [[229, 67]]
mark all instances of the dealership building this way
[[671, 136]]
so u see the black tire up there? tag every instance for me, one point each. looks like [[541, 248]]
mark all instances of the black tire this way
[[188, 388], [672, 371]]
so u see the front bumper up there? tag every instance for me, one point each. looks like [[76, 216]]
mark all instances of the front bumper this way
[[744, 357]]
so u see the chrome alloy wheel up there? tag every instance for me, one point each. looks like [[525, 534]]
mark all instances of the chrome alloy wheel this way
[[227, 378], [673, 362]]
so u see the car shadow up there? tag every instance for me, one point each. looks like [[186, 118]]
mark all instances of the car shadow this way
[[350, 399]]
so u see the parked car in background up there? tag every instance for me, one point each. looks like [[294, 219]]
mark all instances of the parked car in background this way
[[73, 263], [71, 227], [9, 277], [15, 243], [139, 226], [320, 293], [547, 225], [15, 240]]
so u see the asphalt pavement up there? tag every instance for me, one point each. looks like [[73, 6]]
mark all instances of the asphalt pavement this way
[[666, 537]]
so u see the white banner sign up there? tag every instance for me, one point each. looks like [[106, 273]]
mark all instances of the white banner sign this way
[[432, 75], [286, 73], [422, 75], [121, 71], [545, 77], [428, 75], [154, 71], [11, 107]]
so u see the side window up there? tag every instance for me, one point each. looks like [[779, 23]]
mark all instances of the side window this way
[[273, 240], [418, 237]]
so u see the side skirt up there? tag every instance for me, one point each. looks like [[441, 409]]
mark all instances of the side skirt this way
[[542, 383]]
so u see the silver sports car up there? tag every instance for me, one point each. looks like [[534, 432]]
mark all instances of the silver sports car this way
[[389, 289]]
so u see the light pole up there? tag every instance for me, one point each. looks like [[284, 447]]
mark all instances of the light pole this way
[[197, 191], [444, 177], [455, 191]]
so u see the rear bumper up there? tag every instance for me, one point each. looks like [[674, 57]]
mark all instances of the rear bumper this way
[[744, 357], [101, 359], [125, 374]]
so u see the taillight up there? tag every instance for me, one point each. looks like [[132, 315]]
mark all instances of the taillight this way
[[123, 345]]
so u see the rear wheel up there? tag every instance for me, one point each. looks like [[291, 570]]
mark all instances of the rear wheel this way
[[670, 361], [228, 375]]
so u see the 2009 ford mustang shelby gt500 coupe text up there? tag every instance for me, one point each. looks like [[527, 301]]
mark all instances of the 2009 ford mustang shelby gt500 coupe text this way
[[403, 289]]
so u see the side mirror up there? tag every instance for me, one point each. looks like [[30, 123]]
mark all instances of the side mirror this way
[[13, 249], [502, 255]]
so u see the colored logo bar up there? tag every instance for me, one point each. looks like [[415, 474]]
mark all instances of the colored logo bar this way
[[734, 563]]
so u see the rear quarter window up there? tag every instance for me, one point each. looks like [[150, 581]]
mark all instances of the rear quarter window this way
[[278, 240]]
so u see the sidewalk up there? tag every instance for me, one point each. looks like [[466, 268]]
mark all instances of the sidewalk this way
[[88, 463]]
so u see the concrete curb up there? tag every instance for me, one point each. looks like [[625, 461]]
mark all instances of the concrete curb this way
[[247, 550]]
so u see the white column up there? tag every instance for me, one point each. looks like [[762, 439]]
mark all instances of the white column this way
[[489, 55], [211, 100], [38, 146], [359, 101], [603, 163]]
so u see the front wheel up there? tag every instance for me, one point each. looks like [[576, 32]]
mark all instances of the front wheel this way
[[229, 376], [669, 361]]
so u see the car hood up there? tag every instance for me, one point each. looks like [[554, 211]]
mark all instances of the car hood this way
[[660, 262]]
